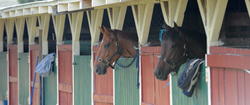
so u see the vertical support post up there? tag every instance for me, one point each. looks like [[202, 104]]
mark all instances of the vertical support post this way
[[31, 23], [20, 29], [9, 26], [59, 22], [212, 13], [75, 20], [143, 15], [95, 21], [173, 11], [44, 25], [117, 16], [1, 34]]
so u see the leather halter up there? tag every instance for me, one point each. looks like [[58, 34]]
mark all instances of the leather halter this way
[[118, 52]]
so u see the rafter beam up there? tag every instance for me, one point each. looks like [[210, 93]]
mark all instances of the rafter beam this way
[[1, 34], [9, 26], [143, 15], [75, 20], [173, 11], [31, 23], [117, 16], [212, 13], [95, 21], [20, 29], [59, 23]]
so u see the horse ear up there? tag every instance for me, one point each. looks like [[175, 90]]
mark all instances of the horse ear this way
[[102, 29]]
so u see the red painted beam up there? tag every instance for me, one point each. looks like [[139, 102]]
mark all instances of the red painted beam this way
[[223, 57]]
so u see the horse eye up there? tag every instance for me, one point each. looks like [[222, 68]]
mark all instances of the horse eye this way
[[107, 45]]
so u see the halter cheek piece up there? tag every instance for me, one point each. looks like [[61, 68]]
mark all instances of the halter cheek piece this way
[[106, 62]]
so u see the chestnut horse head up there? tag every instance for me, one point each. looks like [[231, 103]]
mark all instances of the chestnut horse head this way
[[176, 48], [115, 43]]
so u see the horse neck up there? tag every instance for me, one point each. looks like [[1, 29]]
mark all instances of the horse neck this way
[[128, 47]]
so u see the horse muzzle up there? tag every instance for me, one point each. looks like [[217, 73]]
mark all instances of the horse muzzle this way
[[101, 69]]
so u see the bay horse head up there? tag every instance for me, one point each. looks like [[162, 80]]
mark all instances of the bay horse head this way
[[114, 44], [176, 48]]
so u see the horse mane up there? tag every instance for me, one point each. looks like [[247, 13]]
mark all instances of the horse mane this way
[[126, 35]]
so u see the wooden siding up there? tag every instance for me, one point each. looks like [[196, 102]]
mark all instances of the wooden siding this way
[[103, 87], [34, 55], [126, 80], [229, 81], [200, 95], [65, 74], [82, 80], [3, 76], [154, 91], [50, 88], [13, 75], [23, 78]]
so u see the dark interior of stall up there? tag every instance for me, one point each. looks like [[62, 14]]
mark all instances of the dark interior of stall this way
[[235, 30], [51, 37]]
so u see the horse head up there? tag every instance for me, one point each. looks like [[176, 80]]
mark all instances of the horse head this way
[[173, 52], [113, 45]]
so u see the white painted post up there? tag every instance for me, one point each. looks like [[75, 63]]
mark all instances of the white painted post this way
[[75, 20], [59, 23], [117, 16], [143, 15], [212, 13], [1, 34], [31, 23], [45, 20], [75, 26], [9, 26], [95, 21], [95, 18], [20, 29], [173, 11]]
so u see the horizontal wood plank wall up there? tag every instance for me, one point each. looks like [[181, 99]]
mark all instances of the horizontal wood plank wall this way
[[126, 81], [82, 80], [65, 74], [154, 92], [229, 81], [50, 87], [13, 75], [103, 87], [23, 78], [3, 76], [34, 56]]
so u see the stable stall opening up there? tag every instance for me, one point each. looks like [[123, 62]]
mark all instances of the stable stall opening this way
[[105, 23], [4, 40], [51, 38], [235, 30], [85, 37], [25, 38], [129, 23], [192, 23], [67, 35], [155, 27]]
